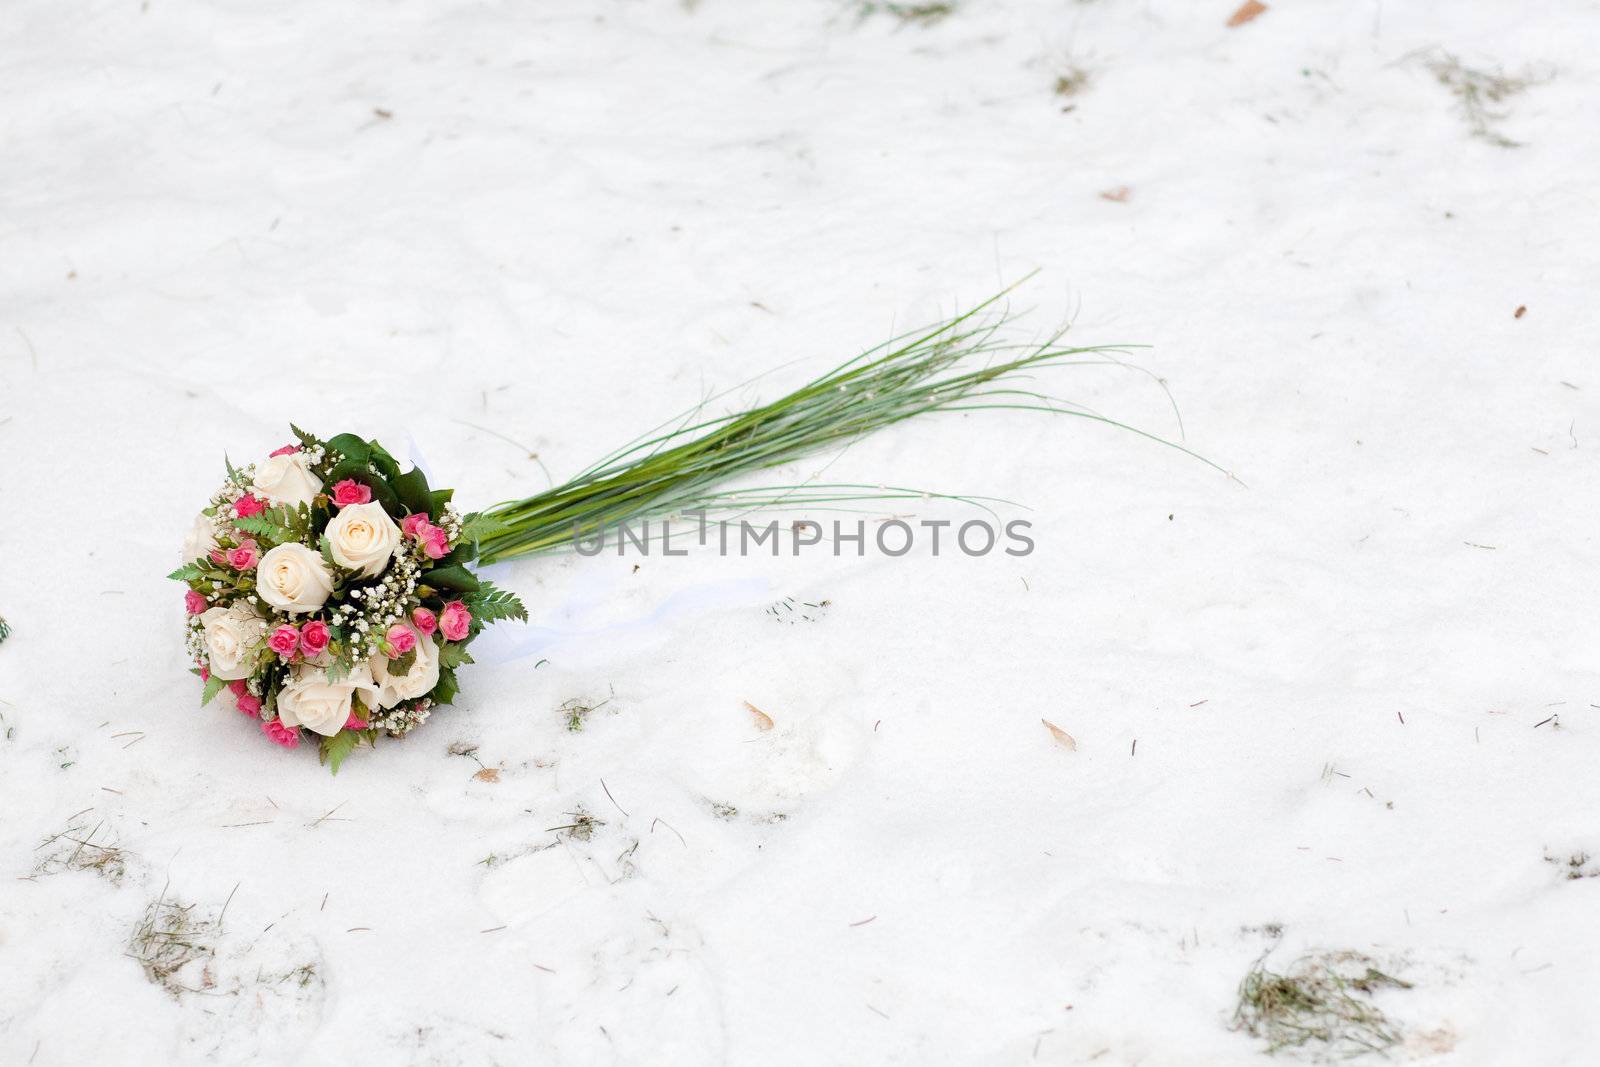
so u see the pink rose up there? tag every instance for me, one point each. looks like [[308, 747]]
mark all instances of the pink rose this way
[[284, 640], [249, 704], [400, 640], [194, 603], [205, 673], [454, 620], [425, 620], [436, 543], [238, 689], [248, 505], [286, 450], [351, 491], [247, 555], [314, 638], [354, 723], [219, 557], [280, 734]]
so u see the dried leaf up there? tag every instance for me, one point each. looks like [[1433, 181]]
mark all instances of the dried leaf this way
[[488, 774], [763, 720], [1247, 11], [1119, 195], [1061, 736]]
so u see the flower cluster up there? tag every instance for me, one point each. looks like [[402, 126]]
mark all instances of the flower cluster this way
[[329, 592]]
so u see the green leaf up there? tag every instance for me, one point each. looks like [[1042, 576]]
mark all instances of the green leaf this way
[[384, 494], [345, 468], [299, 519], [438, 499], [306, 440], [447, 689], [398, 666], [187, 573], [382, 483], [387, 465], [490, 604], [271, 525], [453, 654], [337, 747], [478, 526], [455, 578], [214, 685], [350, 447], [356, 452], [465, 552], [412, 489]]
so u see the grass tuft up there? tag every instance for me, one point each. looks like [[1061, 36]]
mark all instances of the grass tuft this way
[[1574, 866], [582, 826], [1478, 94], [575, 712], [167, 939], [927, 14], [78, 851], [1324, 998], [1073, 81]]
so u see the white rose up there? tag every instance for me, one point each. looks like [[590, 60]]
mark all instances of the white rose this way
[[293, 578], [309, 699], [416, 682], [286, 479], [232, 636], [201, 540], [362, 537]]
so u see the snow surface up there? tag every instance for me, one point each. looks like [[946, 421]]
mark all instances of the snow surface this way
[[1351, 692]]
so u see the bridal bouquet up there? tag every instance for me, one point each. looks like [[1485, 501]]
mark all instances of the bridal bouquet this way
[[331, 594]]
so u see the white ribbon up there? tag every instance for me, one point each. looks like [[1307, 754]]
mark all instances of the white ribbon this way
[[509, 640]]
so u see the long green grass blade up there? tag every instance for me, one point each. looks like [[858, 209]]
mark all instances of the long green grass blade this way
[[683, 465]]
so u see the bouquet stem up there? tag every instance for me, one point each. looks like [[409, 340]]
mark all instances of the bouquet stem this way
[[960, 364]]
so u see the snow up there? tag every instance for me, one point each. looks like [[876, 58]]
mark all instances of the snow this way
[[1350, 691]]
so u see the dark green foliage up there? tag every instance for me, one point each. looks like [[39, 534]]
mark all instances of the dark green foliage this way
[[453, 579], [412, 489], [445, 692]]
